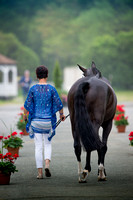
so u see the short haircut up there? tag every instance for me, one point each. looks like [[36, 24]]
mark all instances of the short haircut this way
[[41, 72]]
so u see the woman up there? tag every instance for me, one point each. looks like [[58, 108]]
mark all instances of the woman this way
[[42, 103], [25, 83]]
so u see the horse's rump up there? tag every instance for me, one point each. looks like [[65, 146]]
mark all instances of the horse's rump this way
[[90, 102]]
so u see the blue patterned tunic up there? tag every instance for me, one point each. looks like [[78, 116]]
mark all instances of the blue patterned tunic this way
[[42, 102]]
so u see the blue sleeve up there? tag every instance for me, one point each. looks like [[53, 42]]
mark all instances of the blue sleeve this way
[[57, 104], [30, 81], [29, 102]]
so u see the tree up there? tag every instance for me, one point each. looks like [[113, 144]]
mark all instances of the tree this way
[[11, 47], [113, 55], [57, 76]]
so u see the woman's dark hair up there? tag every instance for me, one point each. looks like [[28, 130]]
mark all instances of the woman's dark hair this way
[[41, 72]]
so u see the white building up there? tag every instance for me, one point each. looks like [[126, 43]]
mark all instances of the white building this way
[[8, 77], [71, 74]]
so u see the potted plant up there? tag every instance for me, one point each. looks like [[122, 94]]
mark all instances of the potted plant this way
[[131, 138], [12, 143], [120, 120], [21, 124], [7, 165]]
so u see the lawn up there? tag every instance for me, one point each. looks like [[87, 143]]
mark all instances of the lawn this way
[[122, 96], [16, 100]]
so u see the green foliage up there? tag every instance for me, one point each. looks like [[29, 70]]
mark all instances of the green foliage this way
[[7, 167], [13, 142], [121, 120], [21, 124], [117, 64], [72, 32], [13, 48], [57, 75]]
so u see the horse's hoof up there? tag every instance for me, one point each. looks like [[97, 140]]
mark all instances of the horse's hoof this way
[[102, 179], [83, 176], [101, 173], [82, 181]]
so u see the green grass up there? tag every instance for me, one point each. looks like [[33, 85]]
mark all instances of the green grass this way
[[124, 96], [16, 100]]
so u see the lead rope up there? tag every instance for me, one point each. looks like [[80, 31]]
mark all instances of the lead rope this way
[[52, 133], [59, 121]]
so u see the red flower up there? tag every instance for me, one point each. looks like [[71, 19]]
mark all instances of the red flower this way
[[120, 108], [15, 155], [20, 113], [131, 133], [131, 138], [1, 137], [8, 136], [1, 155], [21, 120], [5, 138], [5, 156], [14, 133], [22, 108], [10, 158], [118, 117], [8, 154], [21, 133]]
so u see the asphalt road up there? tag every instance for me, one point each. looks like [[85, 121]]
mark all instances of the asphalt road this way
[[63, 185]]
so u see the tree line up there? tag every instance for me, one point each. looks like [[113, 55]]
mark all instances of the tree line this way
[[79, 31]]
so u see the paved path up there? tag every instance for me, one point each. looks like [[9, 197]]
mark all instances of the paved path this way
[[63, 185]]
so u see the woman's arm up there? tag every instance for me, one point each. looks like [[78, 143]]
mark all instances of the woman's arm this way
[[62, 116], [25, 114]]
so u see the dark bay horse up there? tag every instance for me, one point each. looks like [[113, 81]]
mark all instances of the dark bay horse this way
[[92, 104]]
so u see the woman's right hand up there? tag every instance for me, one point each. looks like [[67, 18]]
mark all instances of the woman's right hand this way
[[62, 117]]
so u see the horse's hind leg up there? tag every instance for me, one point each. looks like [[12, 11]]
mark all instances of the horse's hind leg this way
[[83, 174], [101, 153], [77, 147], [87, 168]]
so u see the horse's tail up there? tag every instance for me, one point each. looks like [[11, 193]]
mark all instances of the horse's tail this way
[[83, 125]]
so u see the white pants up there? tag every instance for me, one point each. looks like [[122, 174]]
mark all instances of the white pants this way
[[39, 139]]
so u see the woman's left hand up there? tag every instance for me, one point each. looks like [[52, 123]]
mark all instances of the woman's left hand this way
[[62, 117], [24, 117]]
